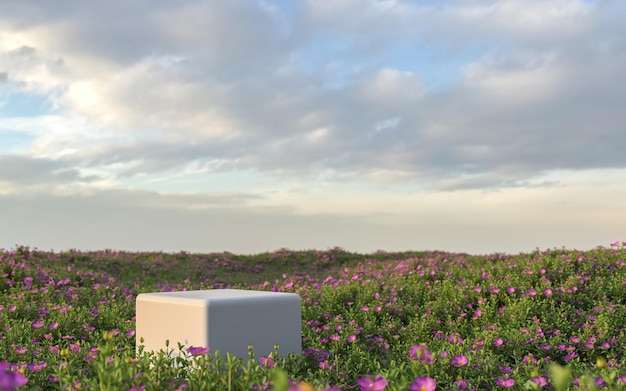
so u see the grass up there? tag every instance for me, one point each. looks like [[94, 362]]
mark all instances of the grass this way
[[550, 319]]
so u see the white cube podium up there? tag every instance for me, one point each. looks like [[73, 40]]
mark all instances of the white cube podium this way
[[227, 320]]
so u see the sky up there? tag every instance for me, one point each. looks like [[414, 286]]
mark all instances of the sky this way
[[474, 126]]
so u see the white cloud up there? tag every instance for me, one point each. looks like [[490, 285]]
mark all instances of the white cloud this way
[[150, 99], [551, 19], [516, 81], [194, 89]]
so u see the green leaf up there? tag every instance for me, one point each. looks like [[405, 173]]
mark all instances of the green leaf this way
[[280, 380], [561, 377]]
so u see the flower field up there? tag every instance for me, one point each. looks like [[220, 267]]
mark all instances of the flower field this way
[[552, 319]]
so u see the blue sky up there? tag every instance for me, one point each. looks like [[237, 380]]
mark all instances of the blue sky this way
[[476, 126]]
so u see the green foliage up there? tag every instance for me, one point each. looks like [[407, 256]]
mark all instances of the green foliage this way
[[544, 320]]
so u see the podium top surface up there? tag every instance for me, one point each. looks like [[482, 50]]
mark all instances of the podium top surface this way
[[202, 297]]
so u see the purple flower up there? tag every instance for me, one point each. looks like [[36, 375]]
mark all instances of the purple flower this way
[[36, 367], [423, 384], [10, 380], [421, 353], [458, 361], [379, 383], [498, 342], [197, 351], [570, 356], [505, 369], [28, 282], [505, 382]]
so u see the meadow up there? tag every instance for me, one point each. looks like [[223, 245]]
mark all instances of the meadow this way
[[553, 319]]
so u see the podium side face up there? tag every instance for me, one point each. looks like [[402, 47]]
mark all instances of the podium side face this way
[[260, 322]]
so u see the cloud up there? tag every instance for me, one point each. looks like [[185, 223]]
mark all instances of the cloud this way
[[30, 70], [25, 171], [308, 93]]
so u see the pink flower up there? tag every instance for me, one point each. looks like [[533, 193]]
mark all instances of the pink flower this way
[[505, 382], [421, 353], [494, 289], [379, 383], [38, 324], [540, 380], [458, 361], [423, 384], [197, 351], [267, 362]]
